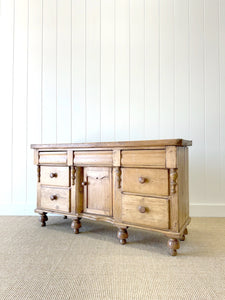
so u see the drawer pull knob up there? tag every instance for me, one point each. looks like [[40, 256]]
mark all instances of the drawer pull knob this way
[[142, 209], [53, 197], [141, 180], [84, 183], [52, 175]]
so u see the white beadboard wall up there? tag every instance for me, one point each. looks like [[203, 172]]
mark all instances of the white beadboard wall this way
[[110, 70]]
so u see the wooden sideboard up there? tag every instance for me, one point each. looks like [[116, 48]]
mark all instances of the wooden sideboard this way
[[142, 184]]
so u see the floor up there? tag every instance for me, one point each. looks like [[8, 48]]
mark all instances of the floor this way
[[53, 263]]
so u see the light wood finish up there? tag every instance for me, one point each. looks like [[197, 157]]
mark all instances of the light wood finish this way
[[36, 157], [116, 158], [120, 145], [52, 157], [142, 158], [98, 190], [55, 176], [93, 158], [70, 155], [55, 198], [153, 212], [171, 157], [183, 183], [145, 181], [143, 184]]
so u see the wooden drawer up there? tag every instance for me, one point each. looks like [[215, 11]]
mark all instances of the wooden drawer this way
[[55, 176], [93, 158], [141, 158], [55, 198], [145, 181], [50, 157], [145, 211]]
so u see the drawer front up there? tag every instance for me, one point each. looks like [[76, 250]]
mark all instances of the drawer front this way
[[144, 211], [145, 181], [93, 158], [56, 198], [141, 158], [52, 157], [55, 176]]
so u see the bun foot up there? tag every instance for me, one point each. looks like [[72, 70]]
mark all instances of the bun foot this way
[[76, 225], [43, 219], [173, 245], [122, 235], [183, 236]]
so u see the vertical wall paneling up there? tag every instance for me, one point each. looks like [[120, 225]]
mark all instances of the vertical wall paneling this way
[[6, 78], [167, 56], [78, 36], [93, 70], [137, 69], [222, 92], [34, 91], [197, 102], [19, 158], [212, 100], [49, 109], [63, 71], [107, 70], [181, 27], [102, 70], [122, 57], [152, 65]]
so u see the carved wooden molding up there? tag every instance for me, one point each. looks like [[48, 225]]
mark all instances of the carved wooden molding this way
[[73, 175], [173, 181], [38, 173], [118, 177]]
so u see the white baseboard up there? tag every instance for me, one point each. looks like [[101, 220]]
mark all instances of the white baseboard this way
[[196, 210], [207, 210]]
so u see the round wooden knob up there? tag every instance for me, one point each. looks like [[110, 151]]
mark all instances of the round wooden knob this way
[[52, 175], [53, 197], [141, 179], [84, 183], [142, 209]]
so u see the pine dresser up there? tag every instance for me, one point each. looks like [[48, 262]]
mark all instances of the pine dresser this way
[[142, 184]]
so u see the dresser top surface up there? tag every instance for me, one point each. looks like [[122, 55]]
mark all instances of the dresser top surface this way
[[121, 144]]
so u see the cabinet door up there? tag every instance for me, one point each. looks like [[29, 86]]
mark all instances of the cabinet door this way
[[98, 191]]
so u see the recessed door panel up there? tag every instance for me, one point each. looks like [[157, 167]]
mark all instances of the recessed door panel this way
[[98, 190]]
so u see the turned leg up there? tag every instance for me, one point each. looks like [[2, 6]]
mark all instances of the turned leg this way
[[76, 225], [65, 217], [173, 245], [183, 236], [122, 235], [43, 219]]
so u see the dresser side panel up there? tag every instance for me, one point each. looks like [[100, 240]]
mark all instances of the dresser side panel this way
[[183, 185]]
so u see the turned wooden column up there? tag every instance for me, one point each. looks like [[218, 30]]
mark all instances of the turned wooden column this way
[[122, 235], [173, 245], [43, 219], [76, 225]]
